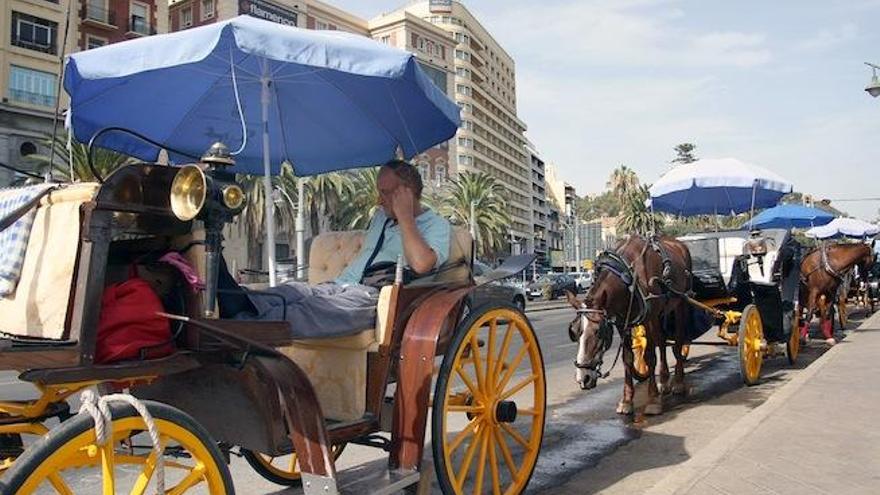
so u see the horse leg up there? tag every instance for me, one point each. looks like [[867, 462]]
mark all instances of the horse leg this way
[[808, 312], [825, 322], [655, 404], [664, 369], [625, 406], [678, 384]]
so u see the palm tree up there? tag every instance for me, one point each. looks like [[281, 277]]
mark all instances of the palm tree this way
[[324, 199], [623, 180], [360, 199], [491, 217], [635, 217], [76, 160]]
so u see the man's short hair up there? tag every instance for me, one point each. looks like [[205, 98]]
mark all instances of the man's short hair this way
[[408, 174]]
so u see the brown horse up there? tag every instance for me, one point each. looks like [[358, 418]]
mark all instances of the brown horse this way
[[636, 284], [822, 272]]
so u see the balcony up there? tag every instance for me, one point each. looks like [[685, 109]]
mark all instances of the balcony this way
[[99, 17], [21, 96], [138, 26], [51, 48]]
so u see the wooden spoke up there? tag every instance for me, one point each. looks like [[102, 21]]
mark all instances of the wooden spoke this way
[[527, 412], [490, 346], [107, 469], [465, 409], [143, 479], [493, 465], [519, 386], [481, 463], [515, 435], [468, 458], [505, 345], [192, 479], [505, 452], [468, 383], [475, 355], [516, 361], [59, 484], [464, 433]]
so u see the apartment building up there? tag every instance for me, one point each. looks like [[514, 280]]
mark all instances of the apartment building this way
[[32, 34], [540, 209], [311, 14], [491, 135]]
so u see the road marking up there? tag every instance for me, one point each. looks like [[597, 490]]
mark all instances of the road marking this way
[[560, 346]]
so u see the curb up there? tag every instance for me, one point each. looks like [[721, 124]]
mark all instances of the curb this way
[[546, 308], [686, 475]]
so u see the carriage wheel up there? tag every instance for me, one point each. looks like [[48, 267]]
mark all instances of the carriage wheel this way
[[281, 470], [640, 347], [67, 459], [793, 345], [489, 405], [750, 341]]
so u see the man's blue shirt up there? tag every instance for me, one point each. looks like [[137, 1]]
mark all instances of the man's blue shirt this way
[[435, 231]]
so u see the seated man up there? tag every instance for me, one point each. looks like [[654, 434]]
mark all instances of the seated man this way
[[345, 306]]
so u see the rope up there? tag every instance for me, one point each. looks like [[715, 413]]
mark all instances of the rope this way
[[99, 410]]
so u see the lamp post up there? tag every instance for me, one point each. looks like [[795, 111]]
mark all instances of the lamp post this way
[[873, 87]]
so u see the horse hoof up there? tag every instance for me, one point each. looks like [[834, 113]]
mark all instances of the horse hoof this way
[[830, 342], [624, 407], [653, 409]]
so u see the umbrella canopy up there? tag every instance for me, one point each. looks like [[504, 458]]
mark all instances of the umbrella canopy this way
[[844, 227], [789, 217], [335, 100], [717, 186]]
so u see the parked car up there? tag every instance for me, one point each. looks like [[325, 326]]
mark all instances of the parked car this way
[[584, 280], [506, 290], [551, 286]]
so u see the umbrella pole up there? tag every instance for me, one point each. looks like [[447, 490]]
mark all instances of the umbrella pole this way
[[267, 179], [300, 228]]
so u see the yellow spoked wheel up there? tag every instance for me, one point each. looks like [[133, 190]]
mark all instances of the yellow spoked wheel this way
[[281, 470], [488, 412], [68, 461], [751, 346], [639, 348], [793, 345]]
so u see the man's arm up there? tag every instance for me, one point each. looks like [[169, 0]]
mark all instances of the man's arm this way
[[419, 255]]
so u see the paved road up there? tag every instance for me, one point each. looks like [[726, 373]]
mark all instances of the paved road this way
[[587, 447]]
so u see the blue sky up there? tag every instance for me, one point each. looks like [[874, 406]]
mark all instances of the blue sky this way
[[779, 84]]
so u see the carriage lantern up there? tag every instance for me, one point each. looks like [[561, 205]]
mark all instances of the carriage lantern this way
[[208, 192]]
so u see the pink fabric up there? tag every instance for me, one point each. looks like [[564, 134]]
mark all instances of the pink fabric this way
[[189, 274]]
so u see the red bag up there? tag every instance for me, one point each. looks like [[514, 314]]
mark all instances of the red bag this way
[[129, 323]]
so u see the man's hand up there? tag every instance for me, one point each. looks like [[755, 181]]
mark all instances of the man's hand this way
[[403, 204]]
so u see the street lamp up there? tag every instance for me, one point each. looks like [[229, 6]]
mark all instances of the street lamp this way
[[873, 87]]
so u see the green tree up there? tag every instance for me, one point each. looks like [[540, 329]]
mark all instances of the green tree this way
[[623, 180], [76, 159], [360, 199], [684, 153], [491, 217], [635, 217]]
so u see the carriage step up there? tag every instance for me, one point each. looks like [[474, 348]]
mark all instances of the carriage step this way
[[373, 478]]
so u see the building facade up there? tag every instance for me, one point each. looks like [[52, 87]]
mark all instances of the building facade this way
[[540, 210], [491, 136]]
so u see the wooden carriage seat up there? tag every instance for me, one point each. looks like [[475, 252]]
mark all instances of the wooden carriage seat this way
[[337, 367], [40, 304]]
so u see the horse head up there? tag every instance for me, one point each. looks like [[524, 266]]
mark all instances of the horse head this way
[[593, 333]]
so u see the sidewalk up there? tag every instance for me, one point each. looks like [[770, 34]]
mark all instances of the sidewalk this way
[[816, 435]]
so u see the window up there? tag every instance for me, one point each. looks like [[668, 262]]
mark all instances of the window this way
[[186, 17], [386, 39], [207, 9], [462, 55], [140, 18], [466, 142], [462, 89], [94, 42], [32, 86], [424, 171], [34, 33], [440, 173], [321, 25], [429, 47], [97, 10], [465, 160]]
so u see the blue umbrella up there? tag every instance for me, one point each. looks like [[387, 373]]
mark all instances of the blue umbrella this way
[[321, 100], [717, 186], [790, 217]]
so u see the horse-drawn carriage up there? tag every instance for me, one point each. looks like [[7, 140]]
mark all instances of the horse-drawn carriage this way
[[226, 385], [751, 284]]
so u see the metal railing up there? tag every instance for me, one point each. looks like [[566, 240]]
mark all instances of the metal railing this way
[[100, 14], [51, 48], [22, 96]]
